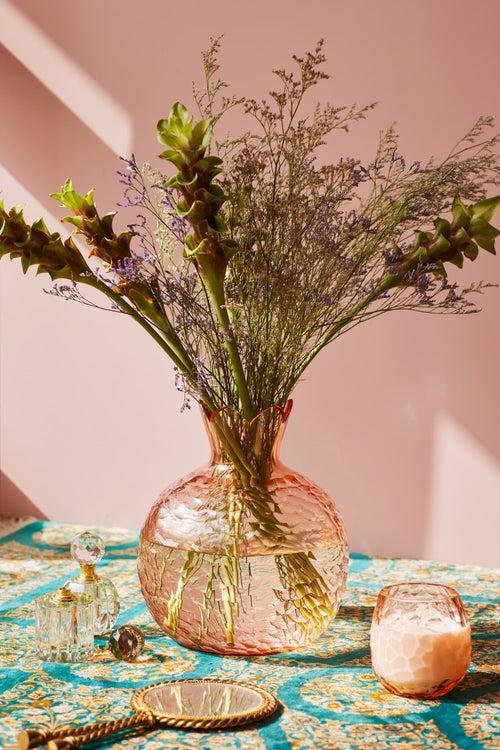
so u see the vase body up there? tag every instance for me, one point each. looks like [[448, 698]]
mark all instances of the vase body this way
[[243, 556]]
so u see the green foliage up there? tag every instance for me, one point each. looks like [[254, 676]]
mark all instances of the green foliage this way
[[78, 204], [486, 208], [34, 245], [200, 197], [179, 134], [288, 253], [452, 242], [98, 231]]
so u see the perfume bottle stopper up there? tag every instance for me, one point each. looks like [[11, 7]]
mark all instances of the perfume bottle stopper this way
[[87, 549]]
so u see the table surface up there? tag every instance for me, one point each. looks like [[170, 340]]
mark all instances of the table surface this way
[[330, 695]]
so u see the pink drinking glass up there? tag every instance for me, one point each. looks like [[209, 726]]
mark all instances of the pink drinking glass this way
[[420, 639]]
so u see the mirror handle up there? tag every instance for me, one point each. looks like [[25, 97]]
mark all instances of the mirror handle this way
[[64, 738]]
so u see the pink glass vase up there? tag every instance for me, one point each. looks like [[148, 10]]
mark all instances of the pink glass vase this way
[[243, 556]]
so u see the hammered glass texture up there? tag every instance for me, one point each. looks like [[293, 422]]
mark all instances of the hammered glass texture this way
[[420, 639], [183, 543]]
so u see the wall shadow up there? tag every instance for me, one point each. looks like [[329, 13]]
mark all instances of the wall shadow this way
[[13, 501], [55, 143]]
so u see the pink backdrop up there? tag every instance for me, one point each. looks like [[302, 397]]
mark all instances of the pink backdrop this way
[[399, 420]]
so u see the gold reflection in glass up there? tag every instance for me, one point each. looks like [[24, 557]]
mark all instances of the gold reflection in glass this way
[[203, 698]]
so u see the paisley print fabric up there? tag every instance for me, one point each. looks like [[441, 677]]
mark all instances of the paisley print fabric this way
[[330, 696]]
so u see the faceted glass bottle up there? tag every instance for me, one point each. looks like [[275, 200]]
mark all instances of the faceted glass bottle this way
[[64, 629], [88, 549], [245, 555]]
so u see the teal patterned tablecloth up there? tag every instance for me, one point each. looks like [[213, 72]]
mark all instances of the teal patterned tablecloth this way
[[330, 695]]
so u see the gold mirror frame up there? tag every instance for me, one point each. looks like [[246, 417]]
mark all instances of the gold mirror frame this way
[[267, 707], [67, 737]]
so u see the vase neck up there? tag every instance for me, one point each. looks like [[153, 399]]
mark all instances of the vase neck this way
[[235, 440]]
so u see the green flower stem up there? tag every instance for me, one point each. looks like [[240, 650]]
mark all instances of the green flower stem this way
[[449, 244], [176, 345], [215, 289], [181, 360], [200, 202], [168, 347], [234, 452]]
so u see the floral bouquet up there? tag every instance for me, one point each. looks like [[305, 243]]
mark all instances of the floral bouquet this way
[[242, 263]]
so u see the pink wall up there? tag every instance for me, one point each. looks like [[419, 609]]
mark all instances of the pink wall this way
[[399, 420]]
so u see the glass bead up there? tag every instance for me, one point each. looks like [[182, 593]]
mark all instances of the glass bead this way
[[87, 548], [126, 642], [64, 629]]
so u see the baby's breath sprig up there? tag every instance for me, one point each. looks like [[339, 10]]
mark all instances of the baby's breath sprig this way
[[257, 253]]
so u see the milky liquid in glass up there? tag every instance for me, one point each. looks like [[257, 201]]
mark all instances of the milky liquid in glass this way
[[420, 639], [420, 660]]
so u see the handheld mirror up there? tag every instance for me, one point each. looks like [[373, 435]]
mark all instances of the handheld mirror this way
[[181, 704]]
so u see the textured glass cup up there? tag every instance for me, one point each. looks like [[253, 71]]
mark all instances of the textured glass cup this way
[[420, 639], [243, 556]]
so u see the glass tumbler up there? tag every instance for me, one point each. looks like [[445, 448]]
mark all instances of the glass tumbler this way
[[420, 639]]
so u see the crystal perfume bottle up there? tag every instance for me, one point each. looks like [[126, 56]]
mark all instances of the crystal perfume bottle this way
[[88, 549], [64, 626]]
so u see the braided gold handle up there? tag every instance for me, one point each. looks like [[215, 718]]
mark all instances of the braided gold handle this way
[[29, 738], [65, 738]]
